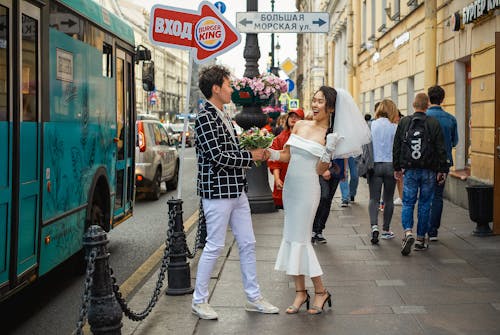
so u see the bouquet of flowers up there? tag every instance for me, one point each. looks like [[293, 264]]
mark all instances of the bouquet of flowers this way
[[255, 138], [259, 89]]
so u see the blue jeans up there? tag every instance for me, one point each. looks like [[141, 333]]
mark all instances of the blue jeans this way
[[436, 210], [417, 183], [349, 188]]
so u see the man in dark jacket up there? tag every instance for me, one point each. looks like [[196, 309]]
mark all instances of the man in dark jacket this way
[[450, 135], [222, 186], [419, 179]]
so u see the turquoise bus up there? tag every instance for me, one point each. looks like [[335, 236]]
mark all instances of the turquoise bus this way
[[67, 118]]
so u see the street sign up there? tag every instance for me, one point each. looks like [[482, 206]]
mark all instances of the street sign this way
[[293, 104], [288, 66], [276, 22], [220, 6], [290, 84], [205, 32]]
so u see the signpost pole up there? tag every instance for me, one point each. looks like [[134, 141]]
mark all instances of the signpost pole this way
[[186, 120]]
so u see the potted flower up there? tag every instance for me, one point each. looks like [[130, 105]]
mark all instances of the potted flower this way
[[258, 90]]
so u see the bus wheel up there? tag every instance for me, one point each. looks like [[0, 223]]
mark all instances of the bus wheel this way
[[156, 192], [97, 216]]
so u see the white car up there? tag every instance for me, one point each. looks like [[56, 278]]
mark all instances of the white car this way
[[156, 158]]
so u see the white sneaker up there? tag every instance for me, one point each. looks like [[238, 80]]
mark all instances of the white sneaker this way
[[204, 311], [262, 306], [398, 202]]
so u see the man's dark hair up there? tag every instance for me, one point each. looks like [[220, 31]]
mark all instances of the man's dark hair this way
[[368, 117], [210, 76], [436, 95]]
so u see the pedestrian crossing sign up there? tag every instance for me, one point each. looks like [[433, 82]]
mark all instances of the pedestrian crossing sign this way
[[293, 104]]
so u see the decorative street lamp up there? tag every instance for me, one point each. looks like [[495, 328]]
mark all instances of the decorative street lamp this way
[[259, 193]]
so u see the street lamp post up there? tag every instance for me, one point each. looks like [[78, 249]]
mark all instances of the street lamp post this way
[[259, 193]]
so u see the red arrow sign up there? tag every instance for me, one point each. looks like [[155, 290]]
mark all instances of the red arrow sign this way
[[205, 32]]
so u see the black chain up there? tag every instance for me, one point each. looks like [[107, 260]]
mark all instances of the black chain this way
[[199, 241], [161, 277], [86, 292]]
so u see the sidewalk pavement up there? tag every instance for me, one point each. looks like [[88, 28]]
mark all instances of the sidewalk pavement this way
[[452, 288]]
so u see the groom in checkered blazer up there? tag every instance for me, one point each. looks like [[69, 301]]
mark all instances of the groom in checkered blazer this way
[[222, 186]]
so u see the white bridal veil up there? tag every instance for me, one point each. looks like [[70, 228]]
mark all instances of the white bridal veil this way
[[349, 123]]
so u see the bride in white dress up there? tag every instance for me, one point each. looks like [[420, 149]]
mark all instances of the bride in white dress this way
[[333, 132], [308, 157]]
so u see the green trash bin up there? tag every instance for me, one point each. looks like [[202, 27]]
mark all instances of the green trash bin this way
[[481, 208]]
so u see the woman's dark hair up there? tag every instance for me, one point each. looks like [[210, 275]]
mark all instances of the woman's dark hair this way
[[330, 99], [210, 76]]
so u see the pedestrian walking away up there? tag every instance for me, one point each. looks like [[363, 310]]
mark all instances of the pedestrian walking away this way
[[222, 186], [448, 125], [419, 153], [383, 129]]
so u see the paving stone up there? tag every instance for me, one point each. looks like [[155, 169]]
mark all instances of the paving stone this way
[[393, 282], [408, 309]]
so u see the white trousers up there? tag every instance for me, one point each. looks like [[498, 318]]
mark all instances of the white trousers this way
[[218, 214]]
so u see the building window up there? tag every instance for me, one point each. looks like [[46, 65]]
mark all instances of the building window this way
[[410, 93], [363, 27], [373, 20], [394, 92]]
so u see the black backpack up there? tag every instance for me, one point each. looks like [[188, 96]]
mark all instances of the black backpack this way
[[416, 149]]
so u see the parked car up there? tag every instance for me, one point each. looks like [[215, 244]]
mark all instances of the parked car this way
[[156, 158], [177, 128]]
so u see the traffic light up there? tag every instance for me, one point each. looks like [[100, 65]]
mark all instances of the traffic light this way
[[148, 76]]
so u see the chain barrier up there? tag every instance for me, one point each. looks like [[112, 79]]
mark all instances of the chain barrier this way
[[159, 284], [138, 316], [201, 234], [86, 292]]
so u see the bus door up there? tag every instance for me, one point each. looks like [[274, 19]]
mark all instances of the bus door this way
[[5, 138], [124, 144], [29, 120]]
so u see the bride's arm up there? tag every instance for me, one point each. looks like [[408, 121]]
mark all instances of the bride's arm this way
[[280, 155]]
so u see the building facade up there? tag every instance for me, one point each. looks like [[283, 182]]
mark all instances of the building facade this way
[[394, 49], [171, 68]]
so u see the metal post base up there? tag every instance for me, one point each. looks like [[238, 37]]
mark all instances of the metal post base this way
[[259, 194], [179, 273], [482, 229]]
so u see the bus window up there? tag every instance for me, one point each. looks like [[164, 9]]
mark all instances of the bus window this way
[[66, 21], [107, 60], [4, 84], [29, 68]]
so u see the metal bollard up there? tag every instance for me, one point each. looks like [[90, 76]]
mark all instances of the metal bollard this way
[[105, 314], [179, 273]]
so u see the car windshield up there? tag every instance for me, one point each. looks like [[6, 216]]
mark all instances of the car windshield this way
[[178, 127]]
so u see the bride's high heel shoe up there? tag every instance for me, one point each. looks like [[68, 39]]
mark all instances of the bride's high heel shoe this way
[[318, 310], [292, 309]]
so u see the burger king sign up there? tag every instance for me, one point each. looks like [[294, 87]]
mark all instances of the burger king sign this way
[[205, 32]]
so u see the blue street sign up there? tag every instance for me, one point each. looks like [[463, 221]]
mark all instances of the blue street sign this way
[[220, 6], [291, 84]]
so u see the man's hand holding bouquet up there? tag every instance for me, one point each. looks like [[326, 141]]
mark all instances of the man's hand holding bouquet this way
[[256, 140]]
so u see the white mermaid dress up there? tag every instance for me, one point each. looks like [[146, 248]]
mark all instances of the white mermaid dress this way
[[301, 194]]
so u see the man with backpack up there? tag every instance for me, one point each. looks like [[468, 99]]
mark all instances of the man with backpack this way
[[419, 153]]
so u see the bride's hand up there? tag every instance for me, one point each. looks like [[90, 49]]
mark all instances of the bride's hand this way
[[331, 141], [274, 155]]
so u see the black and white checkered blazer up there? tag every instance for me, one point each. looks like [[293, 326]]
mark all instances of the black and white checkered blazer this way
[[221, 162]]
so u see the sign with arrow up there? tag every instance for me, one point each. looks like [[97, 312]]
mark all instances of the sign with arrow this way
[[282, 22], [205, 32], [65, 22]]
